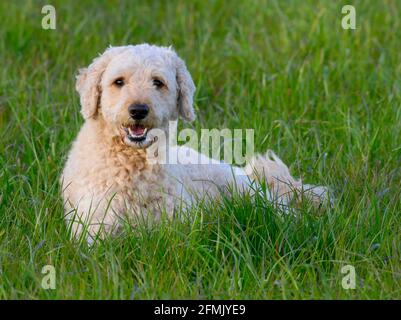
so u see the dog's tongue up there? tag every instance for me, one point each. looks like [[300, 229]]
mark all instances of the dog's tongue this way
[[138, 130]]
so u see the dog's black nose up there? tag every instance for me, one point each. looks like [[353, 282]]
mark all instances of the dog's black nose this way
[[138, 111]]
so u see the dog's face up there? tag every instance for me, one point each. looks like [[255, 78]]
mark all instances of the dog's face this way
[[136, 89]]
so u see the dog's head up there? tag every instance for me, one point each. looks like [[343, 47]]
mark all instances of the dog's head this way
[[135, 89]]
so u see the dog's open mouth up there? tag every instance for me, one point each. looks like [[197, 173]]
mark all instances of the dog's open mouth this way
[[136, 132]]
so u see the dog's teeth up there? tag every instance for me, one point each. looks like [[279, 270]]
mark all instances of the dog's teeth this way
[[136, 135]]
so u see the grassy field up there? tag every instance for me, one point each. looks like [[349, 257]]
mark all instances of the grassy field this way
[[327, 100]]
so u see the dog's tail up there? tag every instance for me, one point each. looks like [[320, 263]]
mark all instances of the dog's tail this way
[[272, 169], [283, 187]]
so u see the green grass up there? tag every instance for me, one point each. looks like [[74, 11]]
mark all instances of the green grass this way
[[327, 100]]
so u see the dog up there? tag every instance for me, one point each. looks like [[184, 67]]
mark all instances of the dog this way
[[128, 95]]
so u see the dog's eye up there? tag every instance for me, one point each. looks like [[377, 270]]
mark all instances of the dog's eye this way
[[158, 84], [119, 82]]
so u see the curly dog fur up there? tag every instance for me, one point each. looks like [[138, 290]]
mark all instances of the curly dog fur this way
[[108, 174]]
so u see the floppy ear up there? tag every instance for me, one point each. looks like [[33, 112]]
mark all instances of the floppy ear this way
[[186, 90], [88, 81]]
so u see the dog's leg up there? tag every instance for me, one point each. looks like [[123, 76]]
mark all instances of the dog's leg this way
[[92, 220], [283, 188]]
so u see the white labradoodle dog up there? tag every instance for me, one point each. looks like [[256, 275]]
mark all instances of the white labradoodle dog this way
[[128, 95]]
